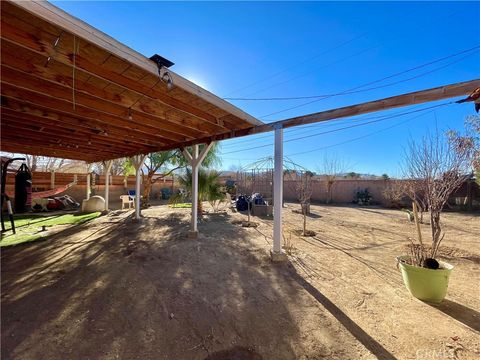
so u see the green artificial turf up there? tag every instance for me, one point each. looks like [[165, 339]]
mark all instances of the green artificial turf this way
[[28, 227], [181, 205]]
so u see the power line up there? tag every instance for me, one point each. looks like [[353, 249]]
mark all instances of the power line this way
[[375, 46], [321, 67], [387, 117], [363, 136], [370, 83], [449, 16], [475, 50], [308, 128], [299, 63], [359, 137]]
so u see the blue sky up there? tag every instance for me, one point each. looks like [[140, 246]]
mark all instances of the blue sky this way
[[290, 49]]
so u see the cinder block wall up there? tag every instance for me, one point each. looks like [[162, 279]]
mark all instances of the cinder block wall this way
[[343, 190]]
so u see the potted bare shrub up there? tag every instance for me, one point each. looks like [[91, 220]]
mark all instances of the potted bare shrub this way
[[438, 165]]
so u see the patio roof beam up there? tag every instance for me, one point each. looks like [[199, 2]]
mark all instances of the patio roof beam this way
[[16, 31], [64, 101], [43, 10], [34, 131], [19, 123], [135, 103], [42, 150], [27, 110]]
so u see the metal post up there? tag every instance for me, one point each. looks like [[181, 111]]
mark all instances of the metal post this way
[[108, 166], [195, 166], [138, 204], [88, 185], [137, 163], [277, 253]]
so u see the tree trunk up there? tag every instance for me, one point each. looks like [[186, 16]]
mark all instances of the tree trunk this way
[[147, 186], [436, 232], [329, 191], [304, 220]]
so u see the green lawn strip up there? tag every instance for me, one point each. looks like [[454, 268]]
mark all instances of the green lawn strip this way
[[181, 205], [25, 220], [20, 238], [29, 231]]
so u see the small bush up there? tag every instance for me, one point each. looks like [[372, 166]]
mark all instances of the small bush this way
[[363, 197]]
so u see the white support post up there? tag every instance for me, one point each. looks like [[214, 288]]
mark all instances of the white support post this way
[[137, 163], [88, 185], [52, 179], [277, 253], [108, 167], [195, 160], [193, 224], [138, 203]]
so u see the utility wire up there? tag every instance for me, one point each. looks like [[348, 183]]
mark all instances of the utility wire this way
[[369, 83], [449, 16], [363, 136], [308, 128], [475, 50], [299, 63], [390, 84], [387, 117], [358, 53], [356, 138]]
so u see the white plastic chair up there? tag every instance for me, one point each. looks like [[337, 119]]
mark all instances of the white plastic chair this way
[[127, 200]]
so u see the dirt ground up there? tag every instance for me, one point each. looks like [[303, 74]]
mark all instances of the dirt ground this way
[[117, 289]]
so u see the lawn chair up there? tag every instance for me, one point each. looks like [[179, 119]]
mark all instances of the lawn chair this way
[[127, 200], [133, 194]]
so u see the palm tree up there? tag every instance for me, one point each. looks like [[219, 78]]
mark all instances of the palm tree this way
[[165, 163], [209, 188]]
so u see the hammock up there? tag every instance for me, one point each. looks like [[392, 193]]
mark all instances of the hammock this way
[[52, 192]]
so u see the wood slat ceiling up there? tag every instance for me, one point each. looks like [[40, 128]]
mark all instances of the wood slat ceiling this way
[[64, 95]]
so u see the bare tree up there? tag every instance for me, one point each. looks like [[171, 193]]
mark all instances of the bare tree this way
[[304, 194], [394, 192], [415, 191], [118, 167], [46, 163], [330, 169], [471, 141], [438, 166], [397, 190], [31, 162]]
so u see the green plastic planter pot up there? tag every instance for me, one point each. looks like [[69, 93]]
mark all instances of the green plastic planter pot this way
[[425, 284]]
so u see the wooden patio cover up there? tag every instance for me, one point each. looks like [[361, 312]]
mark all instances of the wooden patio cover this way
[[70, 91]]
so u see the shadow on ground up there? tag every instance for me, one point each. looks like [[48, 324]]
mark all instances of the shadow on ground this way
[[114, 288], [370, 343], [459, 312]]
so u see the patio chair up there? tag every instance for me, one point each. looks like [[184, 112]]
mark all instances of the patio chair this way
[[131, 193], [126, 200]]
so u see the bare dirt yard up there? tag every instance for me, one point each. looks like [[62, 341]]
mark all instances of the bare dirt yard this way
[[116, 289]]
